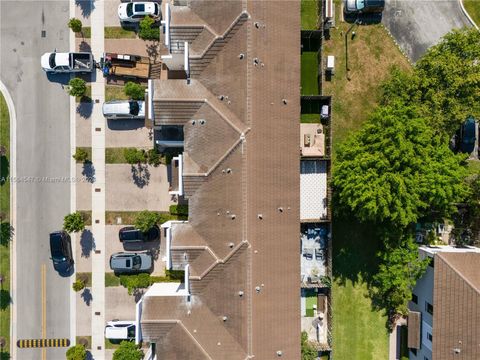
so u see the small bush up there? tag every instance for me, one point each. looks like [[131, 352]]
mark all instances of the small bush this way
[[78, 285], [128, 351], [146, 219], [77, 87], [134, 156], [76, 352], [146, 31], [133, 282], [153, 157], [179, 209], [75, 25], [81, 155], [175, 274], [73, 222], [134, 91]]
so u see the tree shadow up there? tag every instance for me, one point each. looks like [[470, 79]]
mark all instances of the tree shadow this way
[[85, 109], [87, 296], [152, 50], [86, 6], [85, 47], [140, 175], [4, 169], [5, 355], [6, 233], [137, 294], [87, 243], [5, 299], [88, 171]]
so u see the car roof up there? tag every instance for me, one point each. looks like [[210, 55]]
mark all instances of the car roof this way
[[123, 261]]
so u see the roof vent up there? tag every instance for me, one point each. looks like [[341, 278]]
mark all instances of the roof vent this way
[[233, 216], [228, 212], [257, 289], [193, 122], [219, 343], [202, 122], [223, 171], [260, 216], [224, 318], [457, 351], [256, 61], [221, 97], [279, 353], [241, 56], [218, 214], [284, 101], [280, 209], [240, 293], [257, 24], [229, 170], [231, 245]]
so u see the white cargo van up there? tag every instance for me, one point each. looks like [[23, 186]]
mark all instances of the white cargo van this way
[[120, 330]]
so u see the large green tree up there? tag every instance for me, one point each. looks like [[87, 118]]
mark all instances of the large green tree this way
[[396, 169], [76, 352], [128, 351], [445, 81], [398, 273]]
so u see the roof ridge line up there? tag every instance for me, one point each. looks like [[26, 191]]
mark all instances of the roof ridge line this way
[[460, 274], [194, 339]]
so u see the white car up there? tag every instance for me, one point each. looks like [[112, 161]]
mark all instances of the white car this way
[[120, 330], [124, 109], [136, 11]]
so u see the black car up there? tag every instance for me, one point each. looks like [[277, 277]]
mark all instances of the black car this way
[[468, 136], [130, 234], [61, 250], [364, 6]]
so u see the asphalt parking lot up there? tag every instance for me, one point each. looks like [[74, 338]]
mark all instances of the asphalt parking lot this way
[[418, 24]]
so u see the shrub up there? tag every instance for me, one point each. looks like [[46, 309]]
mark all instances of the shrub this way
[[75, 24], [179, 209], [146, 31], [153, 157], [128, 351], [134, 156], [73, 222], [134, 91], [78, 285], [133, 282], [5, 299], [175, 274], [5, 233], [81, 155], [77, 87], [146, 219], [76, 352]]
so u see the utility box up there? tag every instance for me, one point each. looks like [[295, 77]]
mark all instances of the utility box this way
[[330, 65], [329, 14]]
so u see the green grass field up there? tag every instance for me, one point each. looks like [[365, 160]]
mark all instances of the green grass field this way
[[309, 10], [115, 92], [5, 216], [309, 79], [473, 9]]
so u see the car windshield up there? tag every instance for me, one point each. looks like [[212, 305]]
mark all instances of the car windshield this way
[[137, 262], [139, 8], [51, 60], [56, 248], [360, 4], [131, 331], [134, 108], [130, 9]]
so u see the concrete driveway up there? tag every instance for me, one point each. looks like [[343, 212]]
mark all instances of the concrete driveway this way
[[419, 24]]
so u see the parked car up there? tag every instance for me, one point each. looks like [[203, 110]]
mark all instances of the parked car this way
[[131, 262], [120, 330], [364, 6], [136, 11], [468, 135], [124, 109], [61, 251], [131, 235], [70, 62]]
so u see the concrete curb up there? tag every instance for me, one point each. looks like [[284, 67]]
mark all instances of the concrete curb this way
[[465, 12], [13, 216]]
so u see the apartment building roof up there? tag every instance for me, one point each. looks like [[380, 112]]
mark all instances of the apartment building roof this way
[[240, 113], [456, 303]]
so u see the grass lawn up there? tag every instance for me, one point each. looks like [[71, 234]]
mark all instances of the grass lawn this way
[[85, 276], [310, 300], [114, 92], [128, 217], [5, 215], [473, 9], [309, 10], [115, 156], [309, 77], [371, 56], [111, 279], [310, 118], [117, 32]]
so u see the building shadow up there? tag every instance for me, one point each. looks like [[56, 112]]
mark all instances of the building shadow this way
[[87, 243], [119, 125], [152, 50]]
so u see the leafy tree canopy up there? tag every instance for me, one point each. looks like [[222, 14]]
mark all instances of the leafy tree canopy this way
[[308, 351], [77, 87], [73, 222], [128, 351], [134, 90], [145, 220], [76, 352], [396, 167], [398, 273], [75, 24]]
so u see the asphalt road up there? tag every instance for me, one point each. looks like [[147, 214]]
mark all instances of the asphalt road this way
[[43, 147], [419, 24]]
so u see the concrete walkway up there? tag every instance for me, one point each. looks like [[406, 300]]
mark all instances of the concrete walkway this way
[[394, 341], [98, 188]]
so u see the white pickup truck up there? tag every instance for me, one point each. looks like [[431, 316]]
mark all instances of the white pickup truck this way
[[56, 62]]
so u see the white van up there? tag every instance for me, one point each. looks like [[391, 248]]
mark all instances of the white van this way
[[124, 109], [120, 330]]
